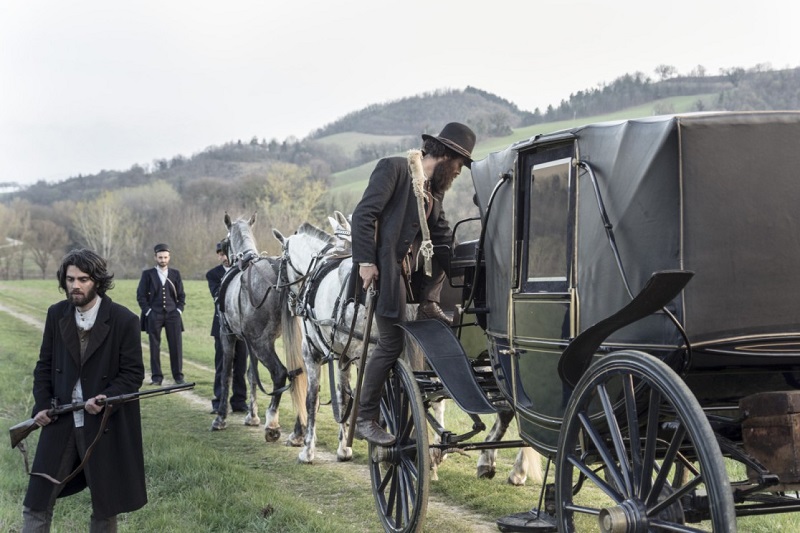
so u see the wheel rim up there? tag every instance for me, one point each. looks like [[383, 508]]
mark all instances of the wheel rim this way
[[632, 406], [400, 473]]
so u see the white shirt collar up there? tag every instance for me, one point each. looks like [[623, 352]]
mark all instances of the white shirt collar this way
[[85, 320]]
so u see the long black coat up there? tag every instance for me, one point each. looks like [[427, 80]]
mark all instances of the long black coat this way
[[386, 224], [112, 366]]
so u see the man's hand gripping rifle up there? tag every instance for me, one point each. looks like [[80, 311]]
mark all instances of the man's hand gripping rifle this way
[[20, 431]]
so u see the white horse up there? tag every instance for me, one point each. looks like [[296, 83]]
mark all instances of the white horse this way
[[316, 268]]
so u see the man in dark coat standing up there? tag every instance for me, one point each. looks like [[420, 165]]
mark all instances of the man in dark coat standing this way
[[162, 299], [91, 349], [396, 226], [238, 398]]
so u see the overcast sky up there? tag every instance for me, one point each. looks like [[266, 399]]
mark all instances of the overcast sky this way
[[87, 85]]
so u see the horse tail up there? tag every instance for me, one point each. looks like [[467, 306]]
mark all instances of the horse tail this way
[[534, 464], [293, 347]]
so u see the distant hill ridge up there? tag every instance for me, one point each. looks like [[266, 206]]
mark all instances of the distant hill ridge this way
[[378, 130]]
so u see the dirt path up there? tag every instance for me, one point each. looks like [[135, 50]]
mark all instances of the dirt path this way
[[356, 473]]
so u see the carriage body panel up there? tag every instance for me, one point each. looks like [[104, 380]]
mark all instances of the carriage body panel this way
[[710, 193]]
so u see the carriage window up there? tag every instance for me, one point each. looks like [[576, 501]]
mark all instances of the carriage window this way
[[549, 217]]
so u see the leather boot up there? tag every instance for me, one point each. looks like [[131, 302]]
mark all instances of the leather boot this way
[[370, 431], [429, 309]]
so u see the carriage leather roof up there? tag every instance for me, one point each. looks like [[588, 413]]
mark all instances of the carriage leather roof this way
[[715, 193]]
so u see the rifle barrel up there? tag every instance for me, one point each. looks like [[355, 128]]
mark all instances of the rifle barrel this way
[[20, 431]]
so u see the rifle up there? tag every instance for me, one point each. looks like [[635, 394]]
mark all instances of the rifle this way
[[23, 429]]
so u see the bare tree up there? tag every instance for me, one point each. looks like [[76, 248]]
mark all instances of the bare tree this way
[[106, 225], [47, 239], [290, 197], [665, 71]]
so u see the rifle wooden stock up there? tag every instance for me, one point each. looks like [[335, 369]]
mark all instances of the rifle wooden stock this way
[[20, 431]]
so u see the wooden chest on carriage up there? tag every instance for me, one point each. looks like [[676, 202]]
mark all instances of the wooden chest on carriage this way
[[771, 433]]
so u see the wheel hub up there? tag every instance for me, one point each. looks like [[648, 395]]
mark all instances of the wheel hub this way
[[627, 517]]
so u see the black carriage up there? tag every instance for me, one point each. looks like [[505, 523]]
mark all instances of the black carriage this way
[[633, 298]]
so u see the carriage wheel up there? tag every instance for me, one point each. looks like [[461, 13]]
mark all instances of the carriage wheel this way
[[643, 450], [341, 400], [400, 474]]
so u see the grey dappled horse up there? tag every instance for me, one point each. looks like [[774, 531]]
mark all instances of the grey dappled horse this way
[[255, 311]]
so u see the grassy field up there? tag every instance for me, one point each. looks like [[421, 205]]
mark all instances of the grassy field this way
[[232, 481]]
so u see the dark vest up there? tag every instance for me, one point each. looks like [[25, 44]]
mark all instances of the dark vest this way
[[168, 302]]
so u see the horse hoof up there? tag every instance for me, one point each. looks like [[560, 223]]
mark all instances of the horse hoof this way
[[218, 425], [515, 480], [272, 434], [485, 472], [294, 443], [252, 421], [304, 459], [344, 458]]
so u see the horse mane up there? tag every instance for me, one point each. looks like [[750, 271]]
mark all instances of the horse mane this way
[[313, 231]]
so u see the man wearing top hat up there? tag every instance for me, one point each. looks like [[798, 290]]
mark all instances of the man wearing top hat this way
[[161, 298], [396, 224]]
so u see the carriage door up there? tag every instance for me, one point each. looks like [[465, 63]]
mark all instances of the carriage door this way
[[543, 297]]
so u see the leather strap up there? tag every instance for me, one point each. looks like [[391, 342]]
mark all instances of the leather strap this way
[[89, 450]]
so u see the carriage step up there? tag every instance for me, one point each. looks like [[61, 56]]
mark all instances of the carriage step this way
[[445, 354]]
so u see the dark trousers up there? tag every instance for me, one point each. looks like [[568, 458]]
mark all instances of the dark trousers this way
[[171, 323], [390, 345], [39, 521], [239, 387]]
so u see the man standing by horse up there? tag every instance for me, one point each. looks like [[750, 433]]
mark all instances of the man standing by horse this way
[[396, 225], [91, 349], [239, 393], [162, 299]]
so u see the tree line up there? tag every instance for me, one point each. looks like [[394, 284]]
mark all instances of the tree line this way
[[124, 224]]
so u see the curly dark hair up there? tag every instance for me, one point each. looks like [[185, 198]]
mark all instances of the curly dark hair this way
[[89, 262]]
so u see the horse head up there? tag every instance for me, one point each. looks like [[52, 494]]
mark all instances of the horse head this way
[[240, 237], [341, 230], [302, 250]]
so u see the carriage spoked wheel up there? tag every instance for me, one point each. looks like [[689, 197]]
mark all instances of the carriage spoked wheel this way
[[640, 446], [401, 473]]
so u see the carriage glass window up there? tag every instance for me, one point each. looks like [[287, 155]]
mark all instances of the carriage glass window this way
[[548, 221]]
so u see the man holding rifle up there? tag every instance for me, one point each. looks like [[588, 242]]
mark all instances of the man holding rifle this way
[[91, 350]]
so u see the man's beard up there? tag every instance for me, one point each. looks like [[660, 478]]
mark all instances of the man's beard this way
[[440, 180], [80, 300]]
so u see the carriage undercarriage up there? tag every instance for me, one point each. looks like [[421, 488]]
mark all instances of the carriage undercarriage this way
[[673, 475]]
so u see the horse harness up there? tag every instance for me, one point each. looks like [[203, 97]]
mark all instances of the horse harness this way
[[302, 302], [242, 265]]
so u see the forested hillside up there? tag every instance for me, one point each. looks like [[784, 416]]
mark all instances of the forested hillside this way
[[121, 213]]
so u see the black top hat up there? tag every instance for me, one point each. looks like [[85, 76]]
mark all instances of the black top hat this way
[[458, 138], [160, 248], [220, 247]]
